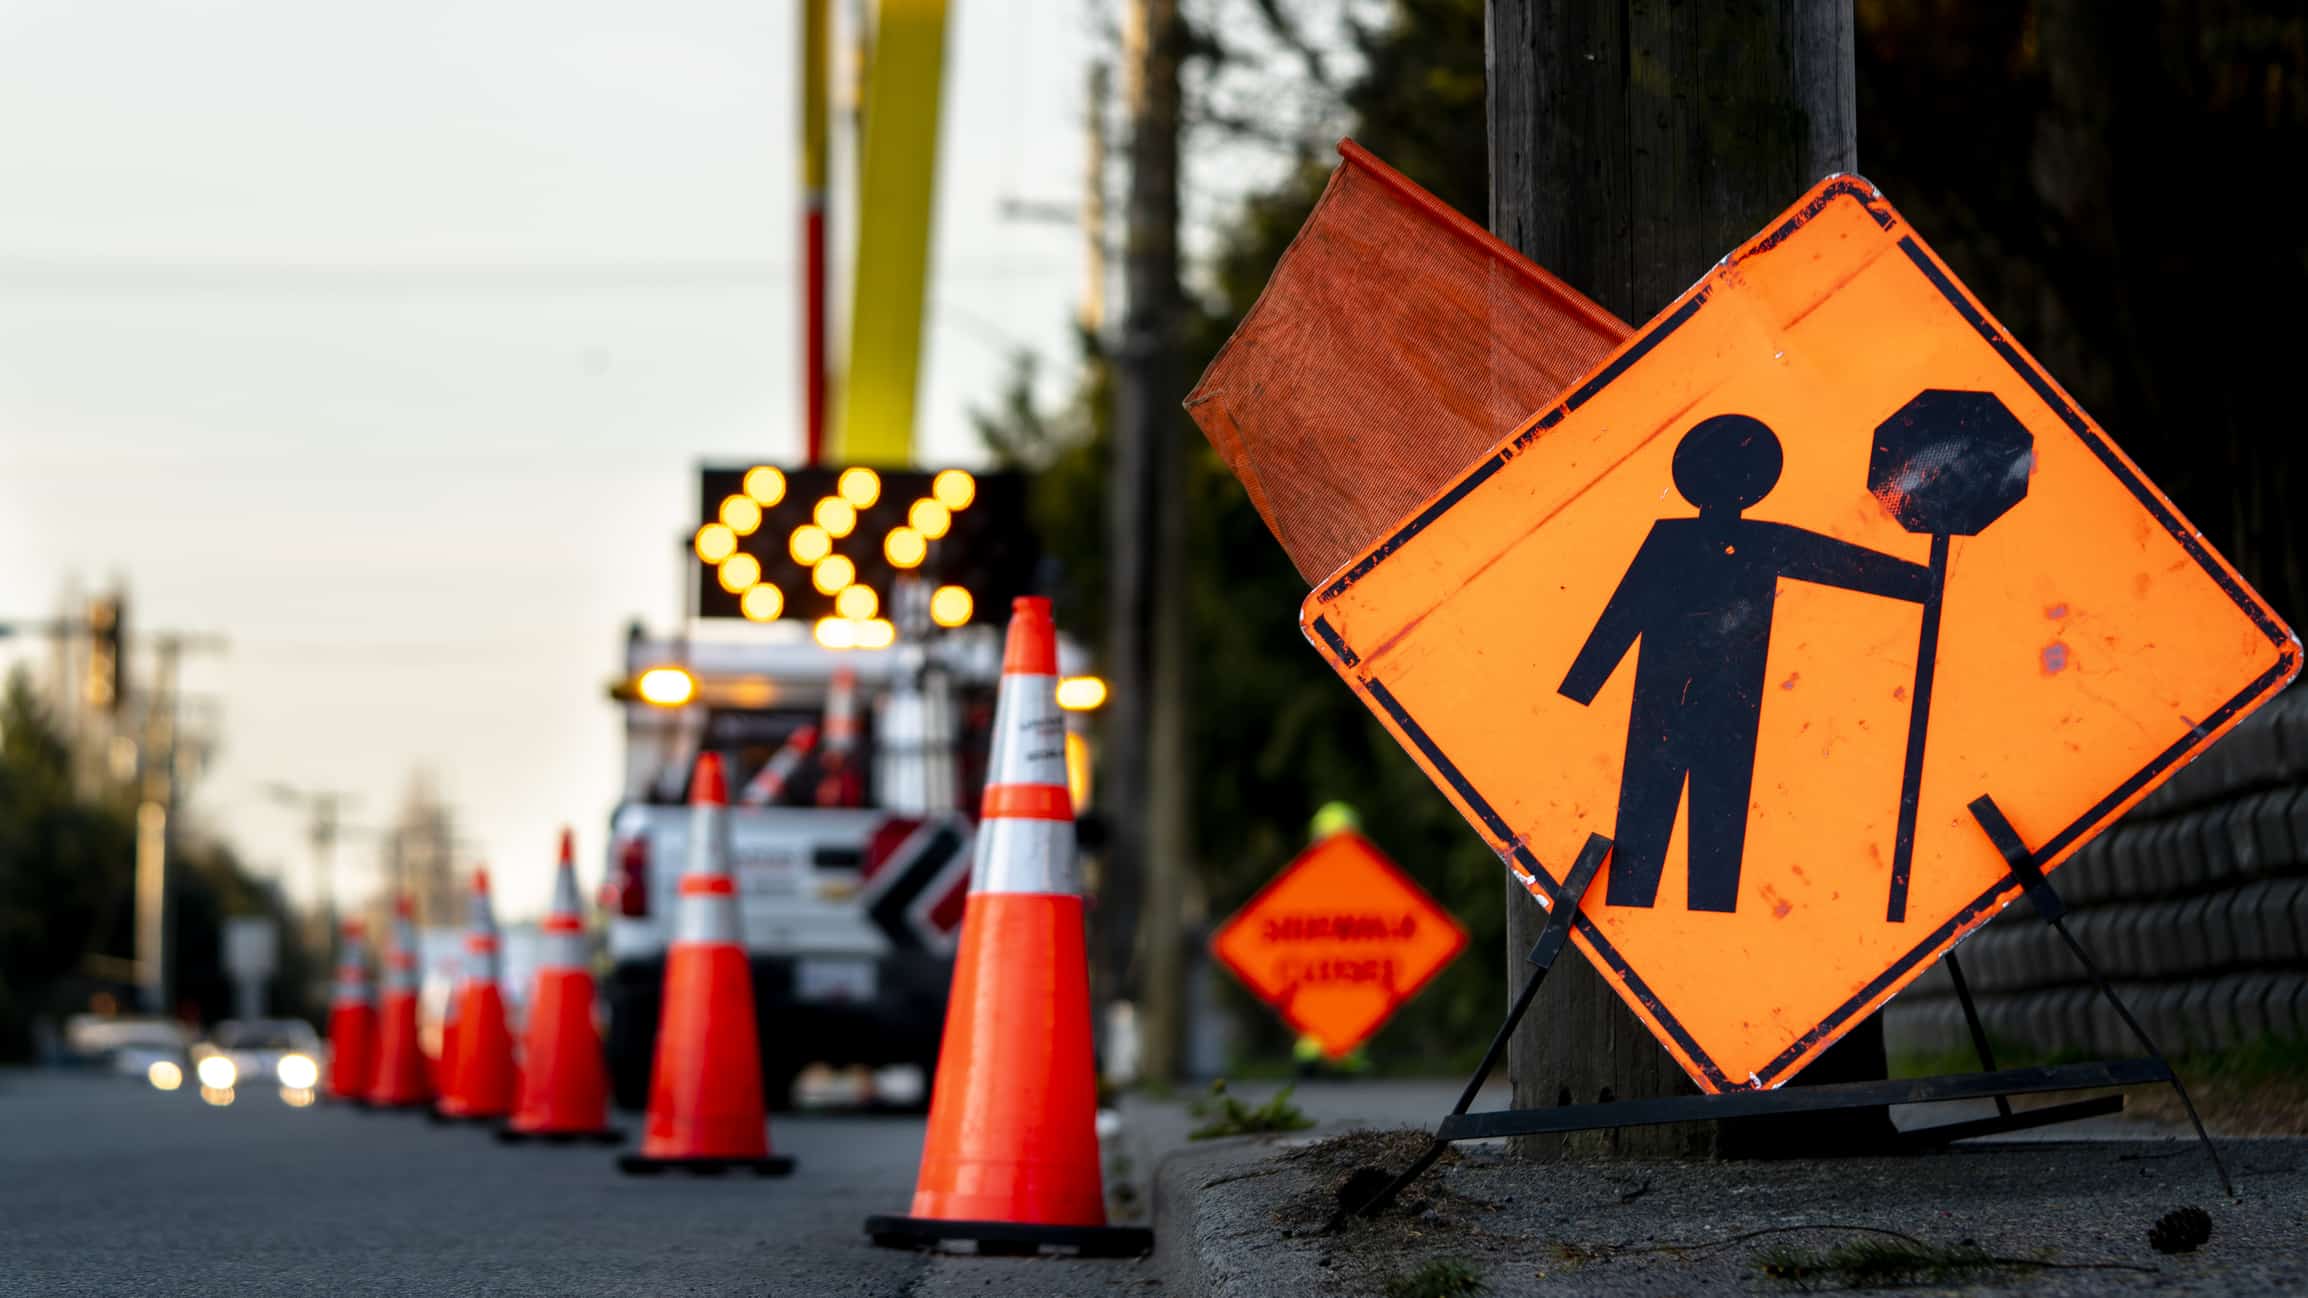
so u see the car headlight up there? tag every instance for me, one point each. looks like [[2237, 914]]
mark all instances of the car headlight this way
[[217, 1073], [297, 1072], [164, 1075]]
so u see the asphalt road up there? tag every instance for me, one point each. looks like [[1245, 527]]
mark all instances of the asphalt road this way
[[108, 1186]]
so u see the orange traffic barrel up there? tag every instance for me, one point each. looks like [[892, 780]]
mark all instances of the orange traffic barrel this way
[[705, 1106], [564, 1078], [480, 1065], [352, 1020], [1010, 1162], [402, 1081]]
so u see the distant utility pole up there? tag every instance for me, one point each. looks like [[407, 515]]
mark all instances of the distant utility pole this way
[[1093, 317], [155, 812], [1143, 891], [1632, 145], [324, 824]]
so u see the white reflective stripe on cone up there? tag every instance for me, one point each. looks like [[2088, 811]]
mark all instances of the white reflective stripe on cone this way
[[401, 958], [561, 947], [708, 841], [565, 897], [352, 983], [706, 910], [1014, 855], [1030, 733], [481, 962], [705, 916], [481, 942]]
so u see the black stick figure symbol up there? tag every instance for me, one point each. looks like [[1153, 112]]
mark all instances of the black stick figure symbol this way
[[1699, 598]]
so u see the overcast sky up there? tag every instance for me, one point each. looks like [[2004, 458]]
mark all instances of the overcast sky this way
[[383, 339]]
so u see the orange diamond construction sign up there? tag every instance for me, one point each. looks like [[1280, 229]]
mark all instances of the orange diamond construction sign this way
[[1339, 941]]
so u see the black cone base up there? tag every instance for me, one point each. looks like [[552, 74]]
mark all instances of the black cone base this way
[[603, 1136], [643, 1165], [1010, 1238], [464, 1119]]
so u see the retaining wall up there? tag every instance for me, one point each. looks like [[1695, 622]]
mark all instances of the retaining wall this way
[[2195, 904]]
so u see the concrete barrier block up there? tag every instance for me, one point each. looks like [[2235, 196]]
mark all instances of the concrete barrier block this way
[[2243, 848], [2049, 962], [2220, 930], [2083, 878], [2151, 947], [2125, 953], [2191, 938], [2296, 826], [2186, 787], [2290, 722], [2130, 865], [1986, 961], [2253, 936], [2253, 757], [2288, 1008], [2286, 922], [2225, 1016], [2158, 1007], [2252, 1008], [2157, 803], [2076, 1019], [2197, 1017], [2110, 1038], [2215, 849], [2272, 847], [2179, 864]]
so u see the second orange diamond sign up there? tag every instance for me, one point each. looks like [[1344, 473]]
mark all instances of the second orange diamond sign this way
[[1817, 558], [1338, 941]]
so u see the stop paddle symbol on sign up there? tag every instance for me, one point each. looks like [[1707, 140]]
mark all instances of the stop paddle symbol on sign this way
[[1815, 560], [1946, 464]]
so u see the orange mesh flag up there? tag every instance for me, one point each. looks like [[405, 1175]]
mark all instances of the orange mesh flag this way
[[1395, 344]]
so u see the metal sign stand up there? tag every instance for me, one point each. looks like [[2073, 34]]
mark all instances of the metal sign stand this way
[[1991, 1083]]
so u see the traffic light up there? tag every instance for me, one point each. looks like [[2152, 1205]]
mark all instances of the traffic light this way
[[107, 683], [857, 552]]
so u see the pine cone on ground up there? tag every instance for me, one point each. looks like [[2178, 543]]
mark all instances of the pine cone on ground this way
[[2182, 1230]]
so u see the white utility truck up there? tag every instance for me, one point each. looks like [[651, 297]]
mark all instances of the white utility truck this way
[[849, 831]]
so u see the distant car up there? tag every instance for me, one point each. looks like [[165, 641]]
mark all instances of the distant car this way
[[130, 1045], [259, 1052]]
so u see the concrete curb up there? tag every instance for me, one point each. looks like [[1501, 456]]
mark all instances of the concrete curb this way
[[1186, 1261]]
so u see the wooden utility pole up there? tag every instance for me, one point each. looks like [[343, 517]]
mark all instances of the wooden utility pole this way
[[1147, 609], [155, 816], [1632, 144]]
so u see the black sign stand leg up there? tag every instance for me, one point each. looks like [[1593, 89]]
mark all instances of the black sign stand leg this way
[[1542, 958], [1994, 1084], [2052, 910]]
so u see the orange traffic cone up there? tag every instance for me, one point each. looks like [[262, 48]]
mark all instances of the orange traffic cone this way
[[352, 1021], [766, 788], [401, 1080], [564, 1079], [705, 1110], [1011, 1157], [841, 780], [443, 1062], [480, 1069]]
